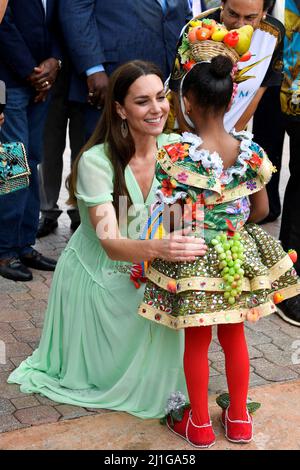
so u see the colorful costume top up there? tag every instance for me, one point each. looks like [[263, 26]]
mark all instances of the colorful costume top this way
[[245, 271]]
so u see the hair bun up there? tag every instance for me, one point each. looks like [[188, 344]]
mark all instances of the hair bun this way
[[221, 66]]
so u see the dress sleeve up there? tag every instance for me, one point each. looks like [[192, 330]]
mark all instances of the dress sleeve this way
[[95, 177]]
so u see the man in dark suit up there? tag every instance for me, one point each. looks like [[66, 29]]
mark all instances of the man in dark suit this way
[[101, 35], [29, 63]]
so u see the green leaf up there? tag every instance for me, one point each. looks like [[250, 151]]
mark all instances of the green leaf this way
[[192, 194], [223, 401], [177, 414], [184, 50], [253, 406]]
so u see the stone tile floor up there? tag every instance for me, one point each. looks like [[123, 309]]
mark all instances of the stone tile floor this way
[[272, 342], [112, 431]]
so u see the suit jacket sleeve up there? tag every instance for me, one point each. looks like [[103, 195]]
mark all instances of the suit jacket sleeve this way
[[13, 50], [78, 20], [55, 31], [188, 12], [274, 73]]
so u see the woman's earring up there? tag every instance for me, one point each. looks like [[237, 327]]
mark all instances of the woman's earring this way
[[264, 17], [124, 128]]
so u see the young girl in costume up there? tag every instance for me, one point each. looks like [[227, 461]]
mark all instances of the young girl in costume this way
[[244, 272]]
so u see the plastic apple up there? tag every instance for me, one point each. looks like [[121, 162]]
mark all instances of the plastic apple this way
[[243, 43], [253, 315], [293, 255], [203, 34], [245, 57], [231, 38], [192, 35], [219, 34], [171, 286], [278, 298], [195, 23], [209, 24]]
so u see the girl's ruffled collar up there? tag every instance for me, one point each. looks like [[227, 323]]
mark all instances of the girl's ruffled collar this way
[[213, 160]]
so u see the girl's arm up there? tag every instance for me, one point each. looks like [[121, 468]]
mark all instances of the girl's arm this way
[[176, 247], [259, 206]]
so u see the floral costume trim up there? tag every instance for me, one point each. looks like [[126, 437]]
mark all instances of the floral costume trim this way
[[181, 295]]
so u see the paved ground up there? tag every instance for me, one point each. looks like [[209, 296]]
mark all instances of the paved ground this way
[[272, 343], [119, 431]]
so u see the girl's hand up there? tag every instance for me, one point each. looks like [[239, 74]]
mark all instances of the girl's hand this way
[[180, 247]]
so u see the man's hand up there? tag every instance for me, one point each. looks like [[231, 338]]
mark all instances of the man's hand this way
[[1, 119], [97, 85], [43, 76], [41, 96]]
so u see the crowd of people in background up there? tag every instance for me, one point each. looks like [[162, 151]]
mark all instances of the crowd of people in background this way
[[56, 67], [83, 68]]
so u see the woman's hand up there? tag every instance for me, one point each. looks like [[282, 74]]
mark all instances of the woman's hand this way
[[1, 119], [180, 247]]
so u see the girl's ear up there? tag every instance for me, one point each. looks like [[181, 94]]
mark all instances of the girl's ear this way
[[187, 105], [120, 110]]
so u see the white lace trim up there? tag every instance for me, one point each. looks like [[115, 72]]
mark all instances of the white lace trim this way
[[160, 197], [214, 161]]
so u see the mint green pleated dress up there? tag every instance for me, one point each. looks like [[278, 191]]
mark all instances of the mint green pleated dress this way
[[95, 351]]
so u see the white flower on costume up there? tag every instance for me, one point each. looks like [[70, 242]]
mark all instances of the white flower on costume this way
[[175, 401]]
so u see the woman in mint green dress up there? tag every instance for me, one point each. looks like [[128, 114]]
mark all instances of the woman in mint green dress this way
[[95, 351]]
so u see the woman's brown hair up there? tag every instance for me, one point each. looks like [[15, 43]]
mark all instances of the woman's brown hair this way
[[120, 150]]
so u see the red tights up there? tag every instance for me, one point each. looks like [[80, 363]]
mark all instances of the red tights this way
[[233, 342]]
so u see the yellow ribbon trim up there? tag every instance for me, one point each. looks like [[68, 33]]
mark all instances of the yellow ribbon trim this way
[[203, 319], [280, 268], [200, 181], [193, 178], [216, 284], [213, 284], [287, 292]]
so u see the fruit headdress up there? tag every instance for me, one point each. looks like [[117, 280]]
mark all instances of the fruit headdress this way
[[204, 39]]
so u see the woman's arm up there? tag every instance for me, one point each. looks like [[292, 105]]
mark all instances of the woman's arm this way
[[176, 247], [3, 5], [259, 206], [245, 118]]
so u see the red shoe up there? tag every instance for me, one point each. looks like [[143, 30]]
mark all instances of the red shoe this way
[[198, 436], [237, 430]]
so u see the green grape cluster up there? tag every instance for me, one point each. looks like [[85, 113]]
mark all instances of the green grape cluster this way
[[231, 256]]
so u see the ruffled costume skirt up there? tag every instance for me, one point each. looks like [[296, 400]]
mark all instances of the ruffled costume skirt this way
[[180, 295]]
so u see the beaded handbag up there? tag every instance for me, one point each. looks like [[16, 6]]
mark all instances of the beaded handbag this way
[[14, 169]]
